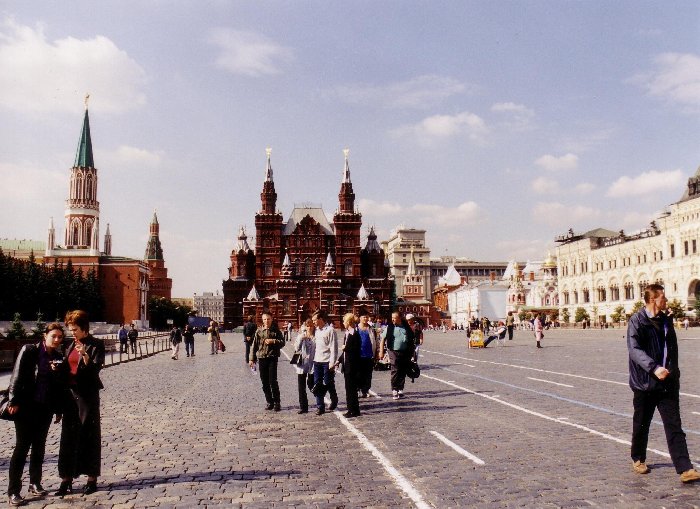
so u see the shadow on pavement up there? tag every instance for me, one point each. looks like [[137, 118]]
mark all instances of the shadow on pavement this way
[[196, 477]]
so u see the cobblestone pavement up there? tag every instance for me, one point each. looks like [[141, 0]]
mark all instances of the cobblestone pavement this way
[[507, 426]]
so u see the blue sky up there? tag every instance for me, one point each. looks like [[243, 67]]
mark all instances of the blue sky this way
[[493, 125]]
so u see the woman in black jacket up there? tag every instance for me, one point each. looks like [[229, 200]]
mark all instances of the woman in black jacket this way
[[350, 359], [35, 395], [81, 439]]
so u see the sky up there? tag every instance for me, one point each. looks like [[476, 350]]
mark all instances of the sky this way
[[494, 126]]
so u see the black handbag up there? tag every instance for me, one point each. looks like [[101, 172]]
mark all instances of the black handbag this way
[[296, 358], [413, 371], [4, 404]]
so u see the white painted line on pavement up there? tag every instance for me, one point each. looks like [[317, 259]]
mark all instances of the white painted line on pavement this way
[[465, 364], [547, 417], [696, 413], [398, 478], [549, 382], [543, 370], [457, 448]]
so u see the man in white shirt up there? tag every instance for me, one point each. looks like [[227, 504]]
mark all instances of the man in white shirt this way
[[324, 358]]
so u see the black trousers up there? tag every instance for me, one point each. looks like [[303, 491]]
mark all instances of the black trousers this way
[[365, 375], [399, 366], [645, 403], [510, 332], [31, 429], [247, 349], [268, 376], [302, 384], [351, 393]]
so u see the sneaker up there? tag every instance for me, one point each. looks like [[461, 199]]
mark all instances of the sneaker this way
[[400, 394], [691, 475], [15, 500], [37, 489], [641, 468], [395, 394]]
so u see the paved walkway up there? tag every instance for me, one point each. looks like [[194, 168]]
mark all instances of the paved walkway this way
[[502, 427]]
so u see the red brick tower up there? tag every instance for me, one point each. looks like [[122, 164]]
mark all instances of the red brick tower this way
[[268, 234], [347, 222], [159, 284]]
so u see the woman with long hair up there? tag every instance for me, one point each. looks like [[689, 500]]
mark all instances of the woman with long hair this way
[[35, 395]]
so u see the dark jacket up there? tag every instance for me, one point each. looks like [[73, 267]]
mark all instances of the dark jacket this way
[[175, 336], [249, 329], [22, 387], [646, 353], [260, 349], [350, 358], [87, 379]]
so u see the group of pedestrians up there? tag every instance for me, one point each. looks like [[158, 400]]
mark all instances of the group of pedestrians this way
[[129, 336], [319, 355], [51, 379]]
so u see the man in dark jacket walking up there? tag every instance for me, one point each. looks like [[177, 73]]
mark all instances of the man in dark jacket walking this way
[[249, 329], [655, 381]]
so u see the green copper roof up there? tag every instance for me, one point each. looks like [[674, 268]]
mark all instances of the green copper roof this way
[[83, 157]]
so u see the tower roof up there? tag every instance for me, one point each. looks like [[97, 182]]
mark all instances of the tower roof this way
[[346, 170], [372, 245], [268, 170], [83, 156], [155, 218], [411, 270]]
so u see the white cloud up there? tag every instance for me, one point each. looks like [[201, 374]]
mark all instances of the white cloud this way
[[584, 188], [523, 249], [559, 215], [544, 185], [40, 75], [676, 77], [424, 214], [420, 92], [552, 163], [248, 53], [509, 107], [438, 128], [128, 156], [647, 182]]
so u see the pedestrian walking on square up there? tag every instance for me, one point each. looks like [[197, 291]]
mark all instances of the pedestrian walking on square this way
[[306, 347], [81, 437], [175, 340], [398, 340], [655, 382], [510, 325], [36, 392], [249, 329], [369, 348], [265, 351], [123, 335], [539, 331], [188, 336], [214, 338], [325, 356], [350, 362], [417, 334], [133, 336]]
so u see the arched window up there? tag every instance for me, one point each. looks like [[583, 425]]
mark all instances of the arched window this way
[[267, 264], [308, 269], [347, 268]]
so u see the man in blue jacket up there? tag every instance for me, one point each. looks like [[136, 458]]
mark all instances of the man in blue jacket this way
[[655, 381]]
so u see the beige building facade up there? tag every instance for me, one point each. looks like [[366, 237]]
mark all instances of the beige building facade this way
[[601, 270]]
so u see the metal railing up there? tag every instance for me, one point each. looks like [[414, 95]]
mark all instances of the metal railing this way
[[148, 344]]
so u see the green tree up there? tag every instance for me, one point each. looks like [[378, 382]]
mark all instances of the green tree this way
[[618, 314], [676, 308], [17, 330], [637, 306], [565, 315], [580, 315], [38, 330], [160, 310]]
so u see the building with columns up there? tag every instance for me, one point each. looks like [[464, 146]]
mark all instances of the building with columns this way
[[601, 270], [306, 262]]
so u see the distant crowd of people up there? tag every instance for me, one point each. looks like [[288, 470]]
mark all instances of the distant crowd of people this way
[[321, 351]]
